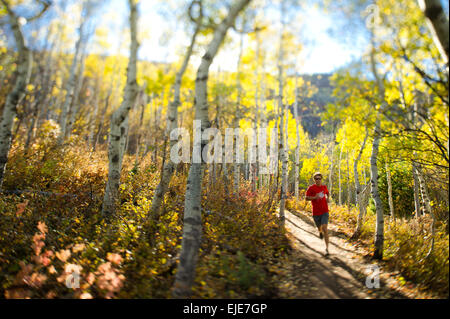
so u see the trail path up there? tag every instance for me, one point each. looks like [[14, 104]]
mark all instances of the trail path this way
[[342, 274]]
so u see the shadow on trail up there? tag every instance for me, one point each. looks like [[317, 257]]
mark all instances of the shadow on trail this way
[[333, 277], [310, 222], [314, 234]]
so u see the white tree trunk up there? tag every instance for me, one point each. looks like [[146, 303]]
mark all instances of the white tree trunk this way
[[358, 195], [417, 206], [389, 184], [339, 176], [236, 165], [124, 129], [72, 81], [257, 83], [379, 228], [23, 72], [349, 194], [427, 206], [75, 106], [117, 130], [263, 165], [297, 150], [192, 225], [283, 150], [330, 177]]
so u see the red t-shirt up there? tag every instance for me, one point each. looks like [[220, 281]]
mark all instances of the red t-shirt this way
[[320, 206]]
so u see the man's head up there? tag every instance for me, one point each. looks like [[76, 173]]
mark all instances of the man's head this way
[[317, 178]]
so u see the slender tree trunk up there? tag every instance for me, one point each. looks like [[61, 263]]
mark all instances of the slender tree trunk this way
[[263, 165], [93, 120], [359, 199], [71, 82], [172, 120], [236, 165], [143, 101], [349, 194], [32, 126], [124, 130], [438, 23], [75, 104], [339, 175], [117, 131], [389, 184], [427, 209], [330, 177], [417, 206], [379, 228], [255, 166], [192, 226], [157, 120], [282, 108], [297, 150], [23, 72]]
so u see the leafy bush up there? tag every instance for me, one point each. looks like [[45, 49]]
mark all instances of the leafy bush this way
[[130, 255]]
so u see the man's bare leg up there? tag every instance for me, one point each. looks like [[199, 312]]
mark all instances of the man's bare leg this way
[[324, 228]]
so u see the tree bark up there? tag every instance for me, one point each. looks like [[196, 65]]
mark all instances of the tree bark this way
[[339, 176], [297, 150], [417, 206], [192, 225], [358, 195], [330, 177], [23, 72], [282, 108], [236, 165], [438, 24], [389, 184], [427, 207], [349, 194], [117, 130], [379, 228]]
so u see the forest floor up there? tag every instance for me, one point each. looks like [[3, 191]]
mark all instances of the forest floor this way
[[340, 275]]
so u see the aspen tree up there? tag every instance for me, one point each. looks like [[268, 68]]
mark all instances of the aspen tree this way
[[437, 22], [72, 81], [172, 118], [119, 119], [282, 107], [24, 64], [379, 226], [358, 194], [192, 223]]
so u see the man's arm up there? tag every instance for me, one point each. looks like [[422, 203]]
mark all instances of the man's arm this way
[[312, 197], [327, 195]]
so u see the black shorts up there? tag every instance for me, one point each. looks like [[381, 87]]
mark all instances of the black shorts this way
[[321, 219]]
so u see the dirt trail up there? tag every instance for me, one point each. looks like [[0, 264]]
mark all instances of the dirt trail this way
[[342, 274]]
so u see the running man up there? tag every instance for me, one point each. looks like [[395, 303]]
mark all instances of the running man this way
[[319, 196]]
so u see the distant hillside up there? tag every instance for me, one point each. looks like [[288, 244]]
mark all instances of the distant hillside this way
[[310, 108]]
